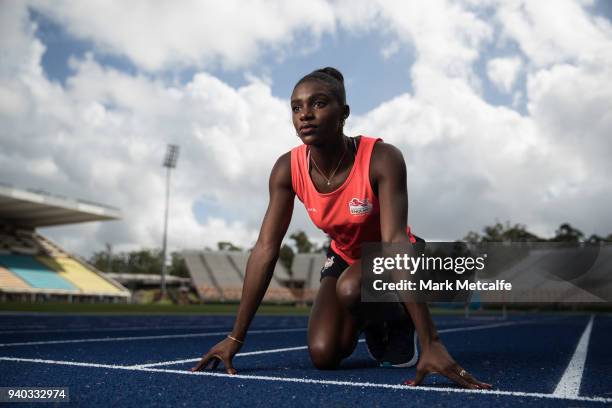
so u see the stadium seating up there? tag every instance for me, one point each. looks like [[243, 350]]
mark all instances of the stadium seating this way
[[204, 283], [20, 241], [306, 268], [227, 277], [31, 264], [34, 273], [48, 247], [11, 281], [219, 275], [79, 275], [277, 291]]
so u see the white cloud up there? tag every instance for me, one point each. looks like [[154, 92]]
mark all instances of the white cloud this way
[[570, 105], [470, 162], [503, 72], [445, 34], [390, 50], [166, 35], [550, 34], [102, 135]]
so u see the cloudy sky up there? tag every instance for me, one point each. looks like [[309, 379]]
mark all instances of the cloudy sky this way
[[501, 108]]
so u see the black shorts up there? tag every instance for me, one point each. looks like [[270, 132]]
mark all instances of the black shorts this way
[[335, 265]]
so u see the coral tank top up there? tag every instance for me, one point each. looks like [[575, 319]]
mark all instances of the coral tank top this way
[[350, 214]]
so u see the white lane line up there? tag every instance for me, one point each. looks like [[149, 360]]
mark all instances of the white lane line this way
[[311, 380], [280, 350], [167, 336], [118, 328], [102, 329], [173, 336], [569, 385], [482, 326]]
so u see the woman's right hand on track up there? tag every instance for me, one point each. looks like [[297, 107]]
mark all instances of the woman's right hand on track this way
[[224, 351], [436, 359]]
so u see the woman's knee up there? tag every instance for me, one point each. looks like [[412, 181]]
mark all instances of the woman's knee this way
[[323, 355], [348, 291]]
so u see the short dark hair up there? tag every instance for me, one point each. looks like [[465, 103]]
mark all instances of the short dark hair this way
[[332, 77]]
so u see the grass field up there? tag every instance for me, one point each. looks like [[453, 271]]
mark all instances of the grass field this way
[[232, 308]]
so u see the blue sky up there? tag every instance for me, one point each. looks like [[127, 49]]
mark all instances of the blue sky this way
[[369, 76], [488, 101]]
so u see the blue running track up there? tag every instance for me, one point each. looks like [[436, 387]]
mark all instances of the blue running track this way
[[143, 361]]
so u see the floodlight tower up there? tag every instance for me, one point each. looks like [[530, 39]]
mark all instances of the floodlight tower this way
[[169, 163]]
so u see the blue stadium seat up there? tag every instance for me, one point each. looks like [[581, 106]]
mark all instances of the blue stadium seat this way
[[34, 273]]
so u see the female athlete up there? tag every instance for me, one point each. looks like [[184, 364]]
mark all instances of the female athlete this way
[[354, 189]]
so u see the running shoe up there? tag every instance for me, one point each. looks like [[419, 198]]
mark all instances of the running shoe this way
[[401, 346], [376, 340]]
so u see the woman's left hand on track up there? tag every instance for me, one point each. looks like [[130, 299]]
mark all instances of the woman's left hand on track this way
[[436, 359]]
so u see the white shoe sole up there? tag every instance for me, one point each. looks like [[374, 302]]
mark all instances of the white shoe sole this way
[[412, 361]]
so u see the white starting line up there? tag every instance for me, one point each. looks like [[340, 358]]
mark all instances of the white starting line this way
[[249, 353], [312, 381]]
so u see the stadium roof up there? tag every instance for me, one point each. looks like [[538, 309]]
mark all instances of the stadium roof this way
[[29, 208]]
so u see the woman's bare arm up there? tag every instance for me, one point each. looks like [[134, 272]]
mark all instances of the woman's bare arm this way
[[261, 263], [389, 175], [260, 266]]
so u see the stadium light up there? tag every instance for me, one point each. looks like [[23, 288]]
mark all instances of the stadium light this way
[[169, 163], [171, 156]]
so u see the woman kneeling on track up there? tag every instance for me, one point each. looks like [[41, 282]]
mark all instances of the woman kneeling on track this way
[[354, 189]]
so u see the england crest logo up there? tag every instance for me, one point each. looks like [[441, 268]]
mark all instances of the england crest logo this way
[[360, 207]]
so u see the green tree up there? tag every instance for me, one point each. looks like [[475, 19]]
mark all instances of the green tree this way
[[140, 261], [567, 233], [100, 260], [519, 233], [144, 261], [323, 247], [285, 257], [472, 237], [502, 233], [595, 239], [302, 243], [178, 266], [227, 246]]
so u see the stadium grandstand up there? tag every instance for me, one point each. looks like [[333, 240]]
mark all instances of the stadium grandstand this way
[[34, 268], [541, 274], [218, 276], [307, 269]]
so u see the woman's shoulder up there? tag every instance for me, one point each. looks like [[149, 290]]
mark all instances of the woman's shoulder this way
[[386, 151], [283, 163], [380, 147], [386, 157], [281, 172]]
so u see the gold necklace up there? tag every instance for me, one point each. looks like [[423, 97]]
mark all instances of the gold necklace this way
[[333, 172]]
